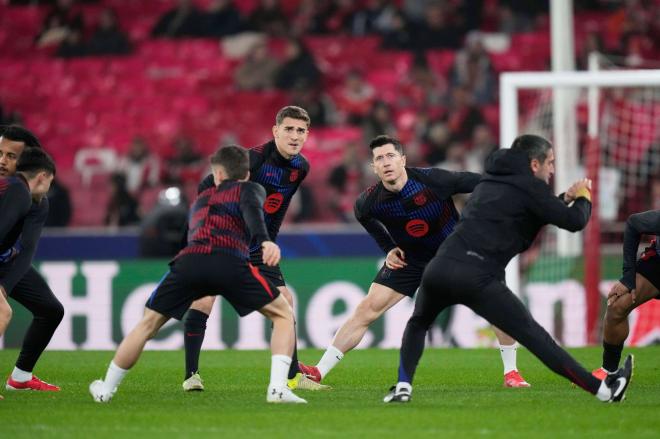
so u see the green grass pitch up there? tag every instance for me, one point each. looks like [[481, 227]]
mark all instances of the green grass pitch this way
[[458, 394]]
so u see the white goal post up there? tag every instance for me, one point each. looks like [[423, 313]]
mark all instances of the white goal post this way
[[512, 83]]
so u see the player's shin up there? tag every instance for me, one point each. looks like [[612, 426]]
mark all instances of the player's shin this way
[[193, 337]]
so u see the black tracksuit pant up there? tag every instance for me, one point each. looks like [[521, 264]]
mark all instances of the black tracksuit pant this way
[[449, 282], [33, 293]]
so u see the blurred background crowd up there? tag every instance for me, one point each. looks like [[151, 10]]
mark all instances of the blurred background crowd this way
[[130, 97]]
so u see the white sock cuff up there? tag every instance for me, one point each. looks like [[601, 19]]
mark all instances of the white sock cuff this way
[[335, 352], [114, 367], [283, 358], [21, 375], [513, 346]]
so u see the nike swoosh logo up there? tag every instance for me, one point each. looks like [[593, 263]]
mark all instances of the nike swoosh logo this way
[[622, 384]]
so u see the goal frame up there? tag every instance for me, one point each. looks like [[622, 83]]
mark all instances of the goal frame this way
[[511, 83]]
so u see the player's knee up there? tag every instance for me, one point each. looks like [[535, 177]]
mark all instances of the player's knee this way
[[420, 322], [287, 295], [56, 312], [618, 310], [205, 304], [6, 313]]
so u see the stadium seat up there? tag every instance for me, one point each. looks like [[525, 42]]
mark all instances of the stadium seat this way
[[92, 161]]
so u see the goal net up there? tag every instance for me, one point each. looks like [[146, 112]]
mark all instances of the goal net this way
[[604, 125]]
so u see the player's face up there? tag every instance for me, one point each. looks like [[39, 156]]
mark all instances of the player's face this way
[[544, 170], [42, 186], [10, 150], [388, 163], [290, 136]]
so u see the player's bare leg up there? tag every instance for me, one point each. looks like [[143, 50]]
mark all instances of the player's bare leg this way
[[5, 312], [620, 303], [508, 352], [127, 355], [378, 300], [281, 345]]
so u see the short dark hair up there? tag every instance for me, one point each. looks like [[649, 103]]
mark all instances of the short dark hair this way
[[536, 147], [34, 160], [234, 159], [384, 140], [294, 113], [18, 133]]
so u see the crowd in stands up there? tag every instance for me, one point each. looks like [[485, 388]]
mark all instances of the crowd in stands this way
[[426, 72]]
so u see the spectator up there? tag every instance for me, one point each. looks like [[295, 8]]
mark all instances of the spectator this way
[[463, 116], [337, 17], [437, 140], [9, 118], [454, 157], [269, 19], [223, 18], [346, 181], [59, 205], [521, 15], [437, 31], [375, 17], [421, 87], [122, 208], [298, 65], [140, 167], [398, 34], [108, 39], [186, 165], [183, 21], [257, 72], [319, 106], [593, 42], [62, 19], [483, 144], [355, 98], [303, 206], [73, 45], [164, 228], [379, 121], [472, 69]]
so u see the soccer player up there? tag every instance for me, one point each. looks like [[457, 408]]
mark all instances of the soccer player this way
[[508, 207], [639, 284], [409, 213], [34, 173], [280, 168], [20, 280], [223, 220]]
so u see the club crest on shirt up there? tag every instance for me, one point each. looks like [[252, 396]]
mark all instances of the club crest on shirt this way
[[293, 176], [417, 228], [420, 199], [273, 202]]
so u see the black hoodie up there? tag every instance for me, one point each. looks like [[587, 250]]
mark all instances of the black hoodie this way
[[506, 211]]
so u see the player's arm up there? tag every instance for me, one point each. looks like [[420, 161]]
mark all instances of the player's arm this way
[[636, 225], [32, 226], [251, 206], [456, 182], [554, 210], [14, 204], [374, 227]]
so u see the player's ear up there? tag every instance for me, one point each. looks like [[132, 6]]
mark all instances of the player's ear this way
[[403, 158], [274, 130]]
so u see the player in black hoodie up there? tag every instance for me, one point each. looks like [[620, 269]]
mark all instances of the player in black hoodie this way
[[509, 206]]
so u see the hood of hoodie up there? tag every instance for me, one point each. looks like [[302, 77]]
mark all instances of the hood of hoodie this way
[[508, 162], [512, 167]]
